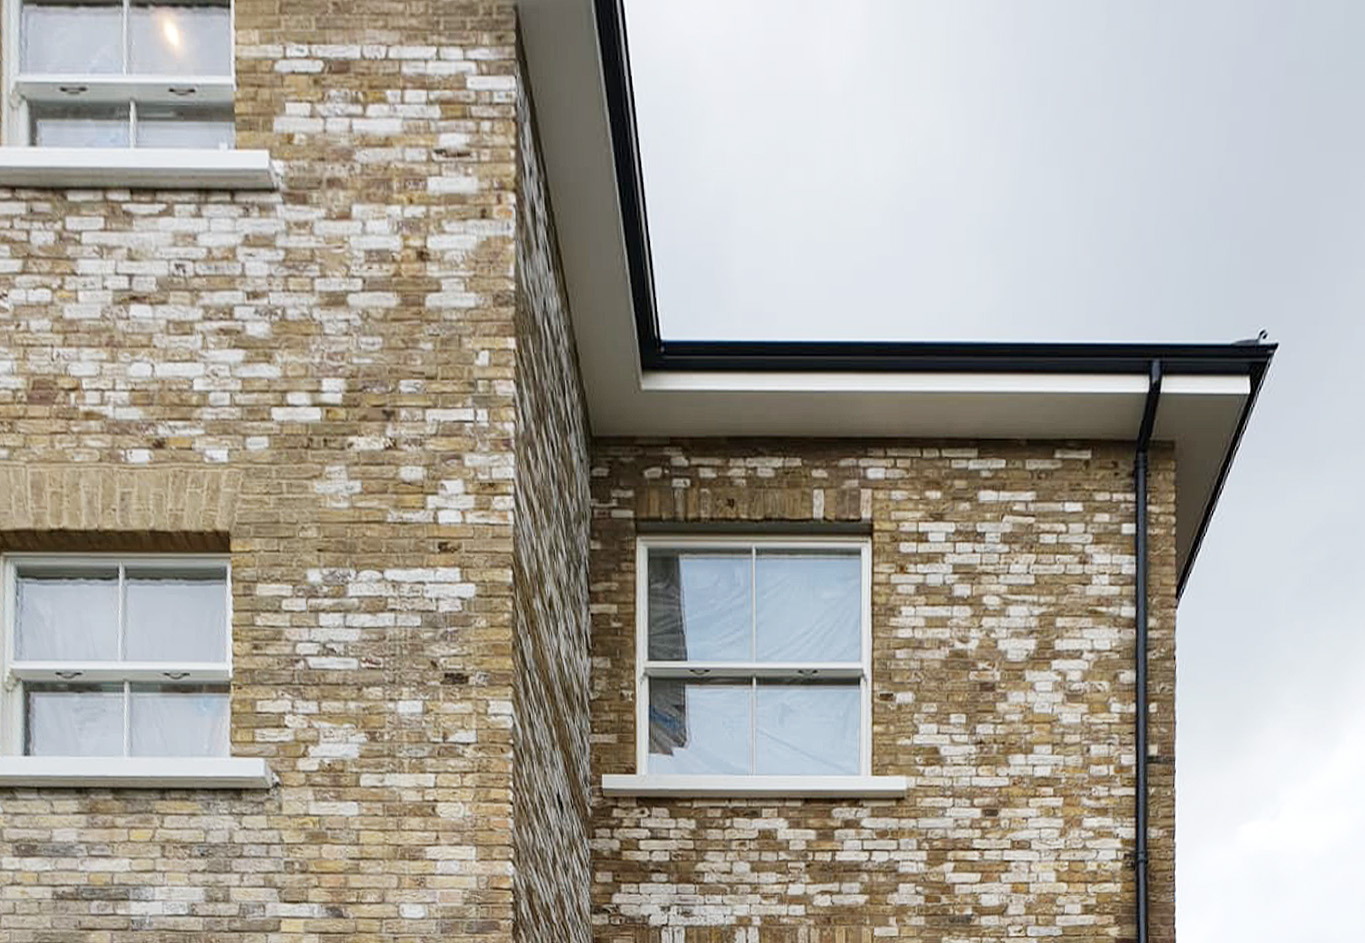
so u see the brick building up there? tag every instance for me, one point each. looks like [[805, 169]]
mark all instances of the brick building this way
[[330, 455]]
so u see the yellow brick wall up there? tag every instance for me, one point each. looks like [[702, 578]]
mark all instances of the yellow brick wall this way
[[550, 791], [324, 373], [1002, 660]]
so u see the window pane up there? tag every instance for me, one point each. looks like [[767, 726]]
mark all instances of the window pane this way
[[700, 606], [175, 615], [66, 614], [75, 721], [74, 38], [699, 727], [183, 127], [182, 39], [809, 606], [73, 126], [808, 729], [179, 721]]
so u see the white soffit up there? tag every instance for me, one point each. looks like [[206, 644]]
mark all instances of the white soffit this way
[[938, 405], [1199, 414], [560, 40]]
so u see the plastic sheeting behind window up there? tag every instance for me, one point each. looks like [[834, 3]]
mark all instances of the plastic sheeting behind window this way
[[809, 729], [704, 728], [801, 728], [155, 720], [66, 614], [178, 721], [765, 645], [81, 38], [175, 615], [75, 721], [181, 39], [809, 607], [163, 126], [700, 606]]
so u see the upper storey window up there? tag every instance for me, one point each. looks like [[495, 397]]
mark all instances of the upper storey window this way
[[754, 657], [129, 74], [122, 657]]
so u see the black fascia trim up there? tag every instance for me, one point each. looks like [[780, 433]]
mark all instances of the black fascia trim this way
[[1257, 375], [836, 356], [957, 357], [630, 188]]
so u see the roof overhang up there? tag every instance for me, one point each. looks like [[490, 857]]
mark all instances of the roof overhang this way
[[638, 383]]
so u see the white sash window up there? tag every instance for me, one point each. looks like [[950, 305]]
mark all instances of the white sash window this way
[[754, 657], [117, 657], [126, 73]]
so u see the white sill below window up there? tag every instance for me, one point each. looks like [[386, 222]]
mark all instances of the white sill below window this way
[[159, 168], [762, 787], [138, 772]]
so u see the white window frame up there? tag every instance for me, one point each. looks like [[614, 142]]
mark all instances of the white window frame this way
[[95, 88], [161, 168], [643, 783], [19, 769]]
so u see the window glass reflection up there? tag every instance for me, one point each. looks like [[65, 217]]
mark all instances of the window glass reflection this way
[[180, 39]]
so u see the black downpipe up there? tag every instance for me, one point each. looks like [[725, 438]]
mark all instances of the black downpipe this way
[[1140, 551]]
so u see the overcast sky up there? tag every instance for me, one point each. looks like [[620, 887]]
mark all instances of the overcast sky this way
[[1047, 170]]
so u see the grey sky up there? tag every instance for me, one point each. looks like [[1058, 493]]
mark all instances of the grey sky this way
[[1167, 170]]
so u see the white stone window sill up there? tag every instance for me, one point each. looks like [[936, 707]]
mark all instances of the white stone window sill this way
[[159, 168], [764, 787], [136, 772]]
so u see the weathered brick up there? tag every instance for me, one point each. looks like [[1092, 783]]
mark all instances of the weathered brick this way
[[1002, 670], [550, 788], [262, 372], [363, 386]]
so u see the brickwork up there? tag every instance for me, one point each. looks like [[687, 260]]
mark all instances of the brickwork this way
[[1002, 610], [362, 386], [194, 498], [550, 793], [341, 353]]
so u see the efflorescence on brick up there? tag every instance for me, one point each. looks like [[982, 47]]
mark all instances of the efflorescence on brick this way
[[1002, 614], [550, 788], [343, 347]]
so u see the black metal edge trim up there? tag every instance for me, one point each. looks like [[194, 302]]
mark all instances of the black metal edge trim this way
[[958, 357], [1258, 373], [838, 356], [1149, 410], [1141, 627], [757, 528], [625, 146]]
